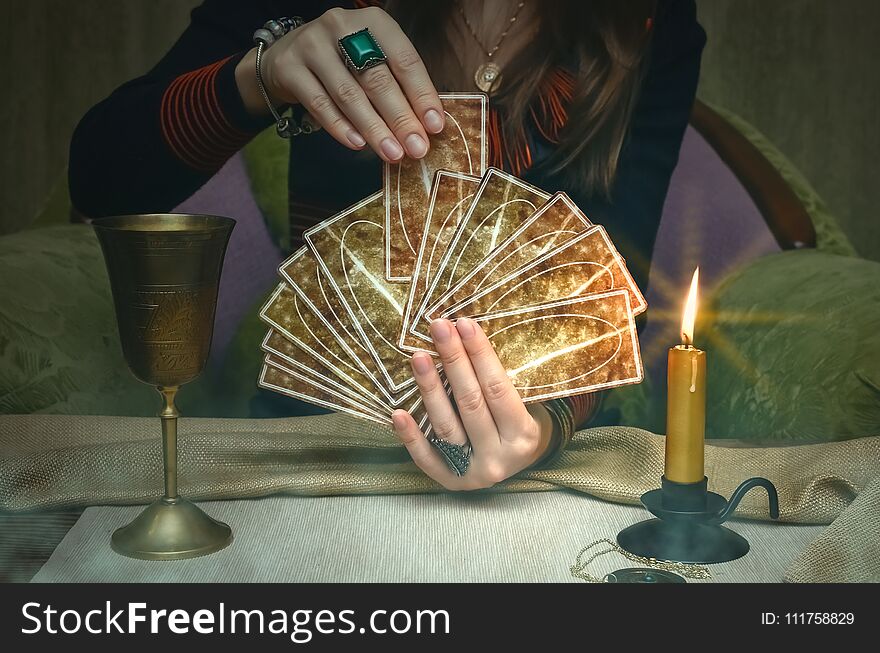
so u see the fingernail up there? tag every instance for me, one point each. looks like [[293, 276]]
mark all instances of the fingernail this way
[[416, 146], [440, 331], [398, 420], [421, 363], [355, 139], [465, 327], [392, 149], [433, 121]]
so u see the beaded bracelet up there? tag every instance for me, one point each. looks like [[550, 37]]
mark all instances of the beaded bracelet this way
[[270, 32]]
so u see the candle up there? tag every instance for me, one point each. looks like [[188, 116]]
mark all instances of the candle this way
[[686, 400]]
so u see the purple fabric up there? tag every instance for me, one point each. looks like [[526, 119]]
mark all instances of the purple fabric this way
[[709, 221], [252, 258]]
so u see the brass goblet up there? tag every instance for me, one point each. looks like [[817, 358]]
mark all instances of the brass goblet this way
[[164, 272]]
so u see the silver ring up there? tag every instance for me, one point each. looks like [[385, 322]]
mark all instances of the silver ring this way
[[457, 456]]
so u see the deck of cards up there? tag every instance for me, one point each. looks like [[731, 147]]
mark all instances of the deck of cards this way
[[448, 237]]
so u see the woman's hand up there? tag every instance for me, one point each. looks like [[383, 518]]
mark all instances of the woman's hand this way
[[506, 436], [391, 107]]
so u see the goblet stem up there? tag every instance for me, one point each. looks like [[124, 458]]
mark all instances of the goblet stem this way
[[169, 417]]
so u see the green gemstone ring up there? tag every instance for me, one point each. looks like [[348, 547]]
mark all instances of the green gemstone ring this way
[[361, 51]]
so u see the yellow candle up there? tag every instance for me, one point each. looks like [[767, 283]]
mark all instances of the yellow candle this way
[[686, 400]]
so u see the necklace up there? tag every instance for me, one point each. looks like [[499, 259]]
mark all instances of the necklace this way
[[488, 75], [579, 568]]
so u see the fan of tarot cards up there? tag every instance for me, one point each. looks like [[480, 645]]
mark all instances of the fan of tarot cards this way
[[449, 238]]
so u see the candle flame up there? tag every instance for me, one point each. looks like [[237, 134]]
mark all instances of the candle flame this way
[[690, 311]]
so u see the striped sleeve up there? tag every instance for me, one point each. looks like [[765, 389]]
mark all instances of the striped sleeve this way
[[201, 118]]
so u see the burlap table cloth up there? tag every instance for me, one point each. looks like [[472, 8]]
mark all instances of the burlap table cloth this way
[[51, 462]]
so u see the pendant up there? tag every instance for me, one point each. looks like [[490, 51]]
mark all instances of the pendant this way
[[488, 77]]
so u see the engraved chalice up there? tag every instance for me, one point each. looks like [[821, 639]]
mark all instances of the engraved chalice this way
[[164, 272]]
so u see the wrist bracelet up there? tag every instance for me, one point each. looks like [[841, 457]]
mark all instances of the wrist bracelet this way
[[263, 38], [563, 428]]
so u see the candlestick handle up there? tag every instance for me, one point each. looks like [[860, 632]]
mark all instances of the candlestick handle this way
[[741, 491]]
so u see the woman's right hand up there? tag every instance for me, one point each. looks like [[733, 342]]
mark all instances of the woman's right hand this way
[[391, 107]]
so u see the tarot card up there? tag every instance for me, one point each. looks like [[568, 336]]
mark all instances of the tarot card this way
[[305, 276], [556, 222], [348, 248], [451, 197], [288, 314], [278, 377], [587, 264], [326, 395], [502, 205], [461, 147], [567, 347], [299, 360]]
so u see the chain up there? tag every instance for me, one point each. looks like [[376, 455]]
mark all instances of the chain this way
[[282, 124], [490, 53], [578, 569], [270, 32]]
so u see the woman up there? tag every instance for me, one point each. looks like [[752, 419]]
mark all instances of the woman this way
[[593, 97]]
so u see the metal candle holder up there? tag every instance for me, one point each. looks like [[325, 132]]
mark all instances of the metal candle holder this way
[[688, 524]]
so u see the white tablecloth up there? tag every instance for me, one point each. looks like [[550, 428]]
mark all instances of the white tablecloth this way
[[528, 537]]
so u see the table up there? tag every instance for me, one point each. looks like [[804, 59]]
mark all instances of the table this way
[[525, 537]]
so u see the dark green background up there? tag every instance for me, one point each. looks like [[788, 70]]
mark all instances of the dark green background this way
[[802, 71]]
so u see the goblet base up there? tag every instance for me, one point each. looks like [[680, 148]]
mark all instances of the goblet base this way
[[171, 529]]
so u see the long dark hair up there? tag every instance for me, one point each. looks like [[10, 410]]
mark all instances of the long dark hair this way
[[604, 42]]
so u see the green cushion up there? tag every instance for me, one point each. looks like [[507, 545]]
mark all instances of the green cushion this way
[[267, 159], [794, 349], [59, 346]]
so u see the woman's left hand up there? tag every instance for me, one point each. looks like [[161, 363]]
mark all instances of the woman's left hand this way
[[506, 436]]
